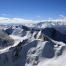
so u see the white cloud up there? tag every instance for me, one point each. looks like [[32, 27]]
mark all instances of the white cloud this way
[[61, 15], [38, 16], [14, 20], [3, 14], [22, 20]]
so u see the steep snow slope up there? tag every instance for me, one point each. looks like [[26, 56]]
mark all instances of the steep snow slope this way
[[35, 46], [17, 40]]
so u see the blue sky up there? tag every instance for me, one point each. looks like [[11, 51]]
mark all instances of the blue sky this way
[[32, 9]]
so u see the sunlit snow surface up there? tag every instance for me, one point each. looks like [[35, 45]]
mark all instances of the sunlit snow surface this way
[[37, 49]]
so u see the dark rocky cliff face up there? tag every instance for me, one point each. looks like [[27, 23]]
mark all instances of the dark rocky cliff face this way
[[9, 31], [55, 34], [5, 40]]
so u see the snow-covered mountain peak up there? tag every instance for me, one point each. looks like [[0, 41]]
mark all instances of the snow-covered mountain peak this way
[[39, 44]]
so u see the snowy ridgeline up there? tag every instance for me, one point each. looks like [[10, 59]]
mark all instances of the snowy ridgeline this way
[[42, 44]]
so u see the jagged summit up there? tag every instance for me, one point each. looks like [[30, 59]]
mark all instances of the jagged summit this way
[[35, 45]]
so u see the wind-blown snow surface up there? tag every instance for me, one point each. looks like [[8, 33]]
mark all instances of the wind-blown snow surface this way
[[44, 44]]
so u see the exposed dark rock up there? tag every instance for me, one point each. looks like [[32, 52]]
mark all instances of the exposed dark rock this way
[[54, 34], [5, 40]]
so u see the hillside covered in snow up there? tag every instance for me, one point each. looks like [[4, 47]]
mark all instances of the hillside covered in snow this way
[[40, 44]]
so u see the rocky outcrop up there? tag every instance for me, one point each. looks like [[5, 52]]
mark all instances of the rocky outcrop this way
[[5, 40]]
